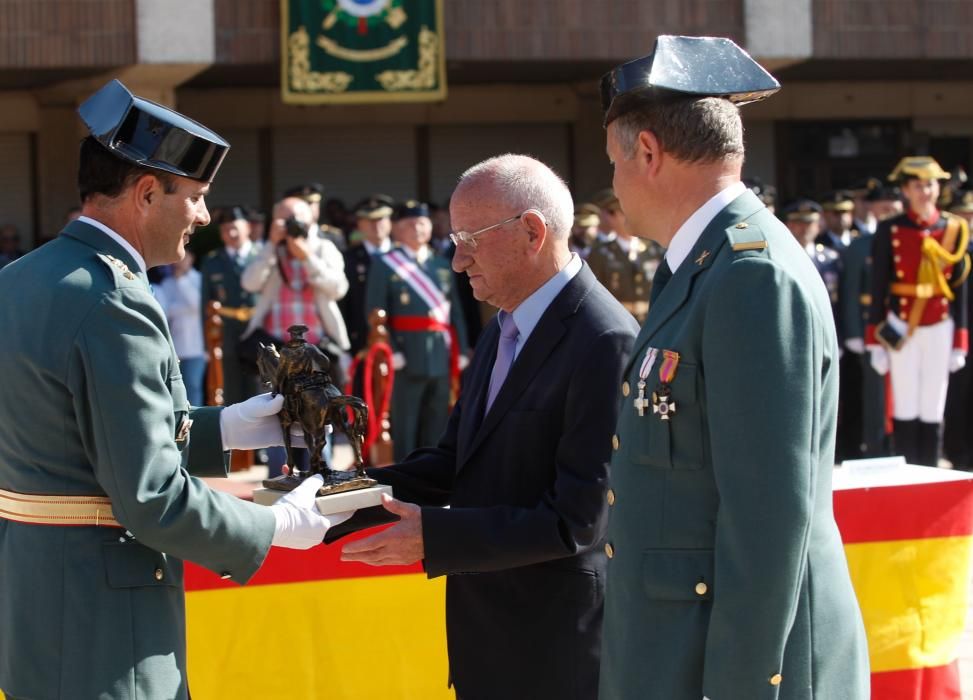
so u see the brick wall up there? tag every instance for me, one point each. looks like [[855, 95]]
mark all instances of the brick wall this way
[[56, 34]]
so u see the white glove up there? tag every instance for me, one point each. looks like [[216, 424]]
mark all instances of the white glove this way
[[879, 359], [855, 345], [957, 360], [299, 524], [252, 424], [398, 360], [464, 362]]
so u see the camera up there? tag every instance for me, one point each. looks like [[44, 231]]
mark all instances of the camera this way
[[295, 228]]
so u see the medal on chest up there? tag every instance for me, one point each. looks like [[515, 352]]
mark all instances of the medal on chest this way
[[641, 403], [404, 298], [662, 406]]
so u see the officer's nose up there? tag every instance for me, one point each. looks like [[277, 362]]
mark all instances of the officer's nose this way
[[202, 213]]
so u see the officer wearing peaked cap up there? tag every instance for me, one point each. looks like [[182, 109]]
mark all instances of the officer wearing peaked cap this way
[[621, 261], [721, 533], [917, 322], [221, 272], [99, 502], [880, 202]]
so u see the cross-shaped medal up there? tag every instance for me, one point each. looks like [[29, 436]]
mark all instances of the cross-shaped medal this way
[[702, 258], [641, 402]]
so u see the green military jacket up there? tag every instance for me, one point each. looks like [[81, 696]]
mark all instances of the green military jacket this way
[[727, 576], [426, 353], [221, 282], [93, 404], [627, 275]]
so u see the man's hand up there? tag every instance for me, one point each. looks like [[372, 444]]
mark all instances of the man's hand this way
[[400, 544], [298, 248], [252, 424], [957, 360], [879, 359]]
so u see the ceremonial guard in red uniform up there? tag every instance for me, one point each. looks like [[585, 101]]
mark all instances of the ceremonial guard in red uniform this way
[[917, 322]]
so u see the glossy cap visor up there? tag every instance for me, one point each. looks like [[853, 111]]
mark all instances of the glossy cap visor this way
[[148, 134], [691, 67]]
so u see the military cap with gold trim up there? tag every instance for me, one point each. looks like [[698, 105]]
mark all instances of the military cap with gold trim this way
[[586, 215], [374, 207], [802, 210], [147, 134], [962, 202], [605, 199], [227, 215], [919, 167], [686, 66], [311, 192], [409, 209], [838, 200]]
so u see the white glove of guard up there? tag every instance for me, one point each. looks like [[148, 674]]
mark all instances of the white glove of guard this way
[[957, 360], [464, 362], [855, 345], [398, 360], [253, 424], [879, 359], [299, 524]]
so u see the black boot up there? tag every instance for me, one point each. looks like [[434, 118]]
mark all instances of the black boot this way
[[905, 434], [930, 443]]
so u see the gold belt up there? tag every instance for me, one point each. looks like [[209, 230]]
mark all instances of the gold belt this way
[[43, 509], [637, 308], [917, 291], [237, 313]]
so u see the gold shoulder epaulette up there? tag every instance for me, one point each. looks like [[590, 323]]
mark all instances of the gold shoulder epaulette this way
[[743, 236], [120, 267]]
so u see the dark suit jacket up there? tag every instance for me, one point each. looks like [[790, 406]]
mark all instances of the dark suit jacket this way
[[522, 542], [352, 305]]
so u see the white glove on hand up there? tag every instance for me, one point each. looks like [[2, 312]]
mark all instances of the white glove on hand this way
[[855, 345], [957, 360], [398, 360], [299, 524], [252, 424], [879, 359], [464, 362]]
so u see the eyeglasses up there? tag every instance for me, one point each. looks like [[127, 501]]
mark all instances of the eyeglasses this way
[[468, 238]]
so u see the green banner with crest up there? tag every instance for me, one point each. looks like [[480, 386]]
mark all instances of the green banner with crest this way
[[348, 51]]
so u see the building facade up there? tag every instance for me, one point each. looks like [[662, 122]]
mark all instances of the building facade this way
[[865, 81]]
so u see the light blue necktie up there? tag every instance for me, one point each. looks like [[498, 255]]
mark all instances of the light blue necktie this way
[[505, 357]]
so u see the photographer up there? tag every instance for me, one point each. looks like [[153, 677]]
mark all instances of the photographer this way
[[300, 277]]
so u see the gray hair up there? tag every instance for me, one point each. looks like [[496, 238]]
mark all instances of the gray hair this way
[[703, 130], [526, 183]]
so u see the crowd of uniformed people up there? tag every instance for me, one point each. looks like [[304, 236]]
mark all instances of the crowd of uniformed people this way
[[246, 271]]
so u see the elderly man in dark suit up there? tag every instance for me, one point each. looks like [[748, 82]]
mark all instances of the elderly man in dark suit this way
[[523, 461]]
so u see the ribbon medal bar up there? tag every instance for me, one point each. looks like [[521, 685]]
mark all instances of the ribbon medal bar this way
[[641, 402], [661, 404]]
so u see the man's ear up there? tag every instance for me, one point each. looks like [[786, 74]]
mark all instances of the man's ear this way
[[146, 190], [648, 151], [536, 230]]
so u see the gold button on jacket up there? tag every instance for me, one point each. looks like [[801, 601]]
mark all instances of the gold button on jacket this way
[[611, 497], [701, 588], [159, 574], [609, 550], [776, 679]]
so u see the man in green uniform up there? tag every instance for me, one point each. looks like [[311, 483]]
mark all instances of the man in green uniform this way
[[221, 271], [428, 336], [726, 578], [97, 504], [624, 264]]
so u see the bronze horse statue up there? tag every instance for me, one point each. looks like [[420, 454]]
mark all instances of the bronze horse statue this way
[[311, 400]]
